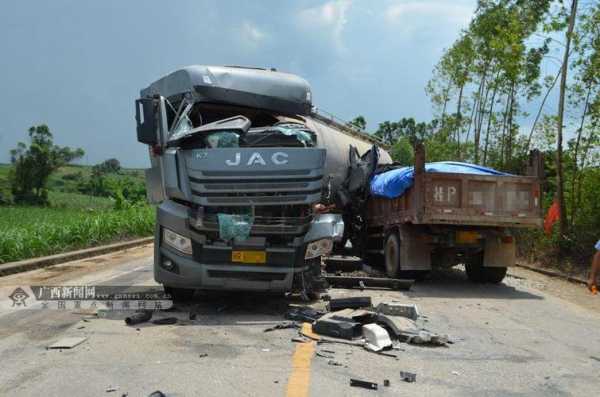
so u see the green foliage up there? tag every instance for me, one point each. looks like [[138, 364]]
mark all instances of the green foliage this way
[[402, 152], [27, 232], [359, 123], [34, 164]]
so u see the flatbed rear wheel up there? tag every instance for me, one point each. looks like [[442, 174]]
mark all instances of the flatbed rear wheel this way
[[478, 273]]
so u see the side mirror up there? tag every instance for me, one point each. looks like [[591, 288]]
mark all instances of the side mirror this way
[[147, 121]]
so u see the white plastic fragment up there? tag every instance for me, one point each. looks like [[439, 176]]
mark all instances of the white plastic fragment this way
[[399, 309], [376, 337]]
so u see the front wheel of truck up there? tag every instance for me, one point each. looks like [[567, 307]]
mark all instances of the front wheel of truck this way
[[478, 273], [179, 294]]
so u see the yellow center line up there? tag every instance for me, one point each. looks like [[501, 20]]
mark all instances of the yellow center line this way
[[299, 380]]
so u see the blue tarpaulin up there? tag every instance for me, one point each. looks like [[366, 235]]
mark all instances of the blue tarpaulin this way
[[394, 183]]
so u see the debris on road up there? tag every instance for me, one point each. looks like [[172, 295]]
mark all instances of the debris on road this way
[[320, 354], [363, 383], [202, 355], [300, 339], [307, 330], [165, 321], [303, 313], [386, 382], [376, 337], [350, 303], [138, 317], [111, 389], [282, 325], [334, 363], [330, 326], [356, 315], [399, 309], [368, 282], [408, 376], [429, 338], [67, 343], [157, 393]]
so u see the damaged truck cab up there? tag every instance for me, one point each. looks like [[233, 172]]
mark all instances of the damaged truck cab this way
[[238, 170]]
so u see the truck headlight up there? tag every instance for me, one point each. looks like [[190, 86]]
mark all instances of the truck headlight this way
[[318, 248], [177, 241]]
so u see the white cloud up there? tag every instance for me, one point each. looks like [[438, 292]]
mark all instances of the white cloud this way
[[251, 35], [406, 12], [330, 17]]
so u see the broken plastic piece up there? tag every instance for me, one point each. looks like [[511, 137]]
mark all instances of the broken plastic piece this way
[[363, 383], [356, 315], [349, 303], [304, 313], [386, 382], [399, 309], [376, 336], [282, 325], [401, 327], [139, 317], [67, 343], [328, 325], [165, 321], [408, 376], [234, 226]]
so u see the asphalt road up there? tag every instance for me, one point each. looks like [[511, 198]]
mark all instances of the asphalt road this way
[[532, 335]]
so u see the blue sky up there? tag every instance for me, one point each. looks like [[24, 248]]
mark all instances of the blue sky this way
[[79, 65]]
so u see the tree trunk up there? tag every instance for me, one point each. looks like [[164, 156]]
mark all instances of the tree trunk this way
[[459, 119], [489, 125], [539, 112], [477, 137], [503, 139], [560, 188], [510, 123], [575, 178]]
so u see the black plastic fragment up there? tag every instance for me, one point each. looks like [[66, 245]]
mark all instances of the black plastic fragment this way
[[350, 303], [363, 383], [408, 376], [139, 317], [386, 382], [304, 314], [165, 321], [337, 328]]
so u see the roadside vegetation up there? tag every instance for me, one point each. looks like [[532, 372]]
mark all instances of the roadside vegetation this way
[[48, 206], [524, 75]]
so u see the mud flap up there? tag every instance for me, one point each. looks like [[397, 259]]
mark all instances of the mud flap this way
[[498, 253]]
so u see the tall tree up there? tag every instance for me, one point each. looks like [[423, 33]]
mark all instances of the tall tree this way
[[560, 184]]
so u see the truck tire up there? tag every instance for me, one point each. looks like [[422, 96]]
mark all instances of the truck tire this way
[[478, 273], [179, 294], [392, 255]]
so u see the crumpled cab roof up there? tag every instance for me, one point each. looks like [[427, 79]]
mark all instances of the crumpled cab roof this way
[[252, 87]]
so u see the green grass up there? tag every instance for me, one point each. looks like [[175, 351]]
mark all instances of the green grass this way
[[27, 232], [72, 221]]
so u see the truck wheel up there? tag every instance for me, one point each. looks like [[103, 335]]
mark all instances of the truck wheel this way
[[392, 255], [179, 294], [478, 273]]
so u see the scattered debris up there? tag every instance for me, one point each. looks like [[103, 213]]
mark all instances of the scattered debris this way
[[330, 326], [357, 315], [300, 339], [326, 297], [67, 343], [339, 263], [426, 337], [157, 393], [307, 330], [138, 317], [363, 383], [350, 303], [111, 389], [282, 325], [265, 350], [328, 351], [386, 382], [399, 309], [401, 327], [408, 376], [202, 355], [382, 353], [376, 336], [369, 282], [455, 373], [193, 315], [334, 363], [165, 321], [303, 313], [323, 355], [81, 327]]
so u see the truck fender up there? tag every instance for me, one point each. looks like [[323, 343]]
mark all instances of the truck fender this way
[[325, 226]]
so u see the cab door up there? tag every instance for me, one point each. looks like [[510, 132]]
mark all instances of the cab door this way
[[152, 130]]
